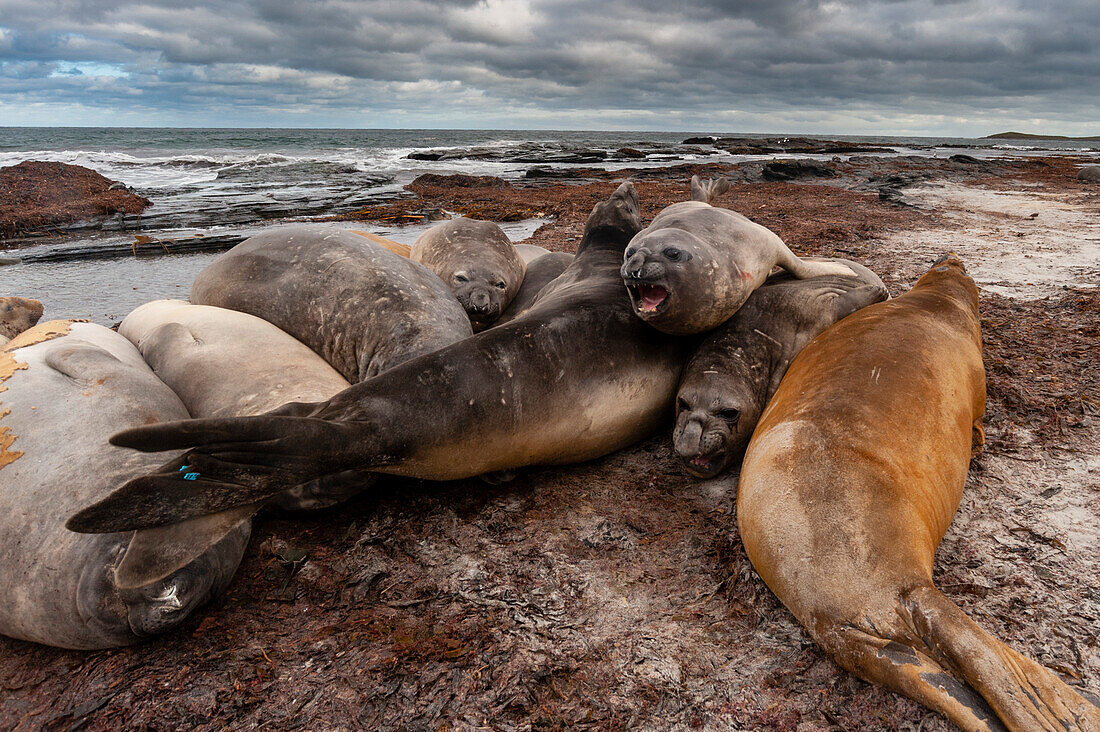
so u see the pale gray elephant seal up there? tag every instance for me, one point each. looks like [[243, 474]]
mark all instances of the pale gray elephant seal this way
[[739, 365], [1089, 173], [696, 264], [64, 387], [477, 261], [540, 272], [850, 482], [17, 314], [529, 252], [577, 376], [354, 302]]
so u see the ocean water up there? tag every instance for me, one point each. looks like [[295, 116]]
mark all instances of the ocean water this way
[[237, 181]]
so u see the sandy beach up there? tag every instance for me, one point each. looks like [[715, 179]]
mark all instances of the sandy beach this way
[[615, 595]]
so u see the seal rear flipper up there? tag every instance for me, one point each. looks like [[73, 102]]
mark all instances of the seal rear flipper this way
[[233, 463], [806, 268], [1024, 694], [910, 672], [154, 554], [708, 191]]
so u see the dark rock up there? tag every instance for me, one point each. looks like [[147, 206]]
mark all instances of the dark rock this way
[[967, 159], [629, 152], [460, 181], [545, 171], [792, 169], [699, 141], [429, 155]]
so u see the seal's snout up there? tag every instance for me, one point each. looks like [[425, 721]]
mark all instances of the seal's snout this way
[[701, 443], [480, 302]]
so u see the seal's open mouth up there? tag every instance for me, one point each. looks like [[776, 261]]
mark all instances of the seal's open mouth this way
[[707, 466], [648, 298]]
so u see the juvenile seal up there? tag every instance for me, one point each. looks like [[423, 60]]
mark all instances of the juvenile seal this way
[[477, 261], [696, 264], [355, 303], [540, 272], [17, 314], [738, 366], [64, 387], [848, 485], [577, 376]]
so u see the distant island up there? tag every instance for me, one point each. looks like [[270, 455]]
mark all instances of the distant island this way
[[1027, 136]]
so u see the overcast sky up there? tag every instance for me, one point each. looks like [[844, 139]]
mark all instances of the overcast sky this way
[[967, 67]]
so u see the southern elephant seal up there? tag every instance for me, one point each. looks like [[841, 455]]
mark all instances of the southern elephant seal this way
[[529, 252], [696, 264], [540, 272], [222, 363], [577, 376], [1089, 173], [850, 482], [64, 387], [739, 365], [477, 261], [17, 314], [355, 303]]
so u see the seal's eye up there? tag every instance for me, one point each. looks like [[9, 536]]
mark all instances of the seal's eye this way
[[682, 405], [730, 415], [631, 252], [672, 254], [501, 285], [461, 278]]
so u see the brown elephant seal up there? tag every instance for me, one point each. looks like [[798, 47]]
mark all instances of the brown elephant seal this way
[[355, 303], [17, 314], [1089, 173], [696, 264], [64, 387], [577, 376], [850, 482], [394, 246], [540, 272], [738, 366], [477, 261]]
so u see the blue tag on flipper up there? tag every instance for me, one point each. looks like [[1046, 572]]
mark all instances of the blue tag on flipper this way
[[190, 476]]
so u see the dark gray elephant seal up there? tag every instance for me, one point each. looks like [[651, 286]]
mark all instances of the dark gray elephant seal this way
[[739, 365], [17, 314], [358, 305], [477, 261], [1089, 173], [577, 376], [540, 272], [64, 387], [696, 264]]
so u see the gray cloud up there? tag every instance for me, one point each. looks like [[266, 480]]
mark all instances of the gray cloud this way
[[943, 66]]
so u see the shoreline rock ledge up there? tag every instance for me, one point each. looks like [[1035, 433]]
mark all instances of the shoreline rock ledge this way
[[35, 196]]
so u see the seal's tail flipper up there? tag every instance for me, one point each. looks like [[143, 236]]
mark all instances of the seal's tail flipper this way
[[1024, 694], [910, 672], [232, 463], [708, 191]]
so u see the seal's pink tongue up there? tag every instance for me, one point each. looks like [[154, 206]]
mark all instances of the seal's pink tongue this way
[[652, 297]]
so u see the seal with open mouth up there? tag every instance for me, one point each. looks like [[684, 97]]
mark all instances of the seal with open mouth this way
[[575, 377], [696, 264], [739, 365]]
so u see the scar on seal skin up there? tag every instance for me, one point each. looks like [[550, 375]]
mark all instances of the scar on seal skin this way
[[851, 480]]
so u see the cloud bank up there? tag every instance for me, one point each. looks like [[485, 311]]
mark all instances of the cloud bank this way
[[966, 67]]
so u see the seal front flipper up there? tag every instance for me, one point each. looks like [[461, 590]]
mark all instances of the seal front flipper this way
[[858, 298], [154, 554]]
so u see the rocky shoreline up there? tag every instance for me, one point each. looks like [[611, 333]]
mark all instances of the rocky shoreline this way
[[616, 595]]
